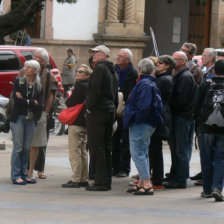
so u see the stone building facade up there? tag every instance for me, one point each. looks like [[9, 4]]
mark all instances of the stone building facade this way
[[123, 23]]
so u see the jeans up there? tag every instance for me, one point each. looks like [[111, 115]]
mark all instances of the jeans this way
[[212, 162], [139, 137], [22, 135], [181, 148]]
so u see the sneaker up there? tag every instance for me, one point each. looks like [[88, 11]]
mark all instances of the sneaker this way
[[203, 195], [217, 194], [122, 174], [71, 184], [133, 183], [158, 187]]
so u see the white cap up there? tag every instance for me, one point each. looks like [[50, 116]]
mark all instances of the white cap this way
[[101, 48]]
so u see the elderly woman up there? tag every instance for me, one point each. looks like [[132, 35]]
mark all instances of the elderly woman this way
[[164, 82], [27, 108], [142, 115], [77, 133]]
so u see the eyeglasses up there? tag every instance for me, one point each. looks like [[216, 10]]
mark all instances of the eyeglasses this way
[[178, 59], [121, 56], [185, 51], [79, 71]]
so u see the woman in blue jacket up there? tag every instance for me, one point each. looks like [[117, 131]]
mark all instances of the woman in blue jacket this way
[[142, 114]]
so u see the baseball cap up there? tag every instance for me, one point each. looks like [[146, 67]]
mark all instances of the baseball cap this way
[[101, 48]]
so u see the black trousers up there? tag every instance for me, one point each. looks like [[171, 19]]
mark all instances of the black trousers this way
[[121, 157], [40, 162], [156, 159], [99, 129]]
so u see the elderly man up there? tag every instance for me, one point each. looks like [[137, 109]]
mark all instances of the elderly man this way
[[101, 105], [183, 121], [127, 76], [39, 143], [190, 50], [209, 56]]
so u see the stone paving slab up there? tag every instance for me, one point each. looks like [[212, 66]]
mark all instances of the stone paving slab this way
[[47, 203]]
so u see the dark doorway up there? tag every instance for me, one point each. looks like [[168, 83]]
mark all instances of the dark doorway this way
[[199, 23]]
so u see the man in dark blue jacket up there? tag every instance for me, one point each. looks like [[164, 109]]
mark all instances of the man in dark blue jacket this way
[[127, 76]]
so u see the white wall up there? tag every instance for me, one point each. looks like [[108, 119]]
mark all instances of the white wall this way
[[75, 21]]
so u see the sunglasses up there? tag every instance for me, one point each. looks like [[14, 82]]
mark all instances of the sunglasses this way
[[79, 71]]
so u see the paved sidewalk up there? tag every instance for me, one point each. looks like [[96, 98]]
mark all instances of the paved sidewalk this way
[[47, 203]]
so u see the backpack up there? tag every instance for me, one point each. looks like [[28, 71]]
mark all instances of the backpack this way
[[157, 105], [10, 105], [214, 105]]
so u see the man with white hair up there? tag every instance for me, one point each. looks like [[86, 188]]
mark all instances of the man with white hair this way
[[127, 76], [39, 143], [100, 111], [183, 122], [208, 58]]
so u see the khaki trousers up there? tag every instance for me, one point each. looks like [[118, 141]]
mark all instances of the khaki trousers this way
[[78, 155]]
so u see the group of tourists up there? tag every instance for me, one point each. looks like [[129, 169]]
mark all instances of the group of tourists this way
[[128, 113]]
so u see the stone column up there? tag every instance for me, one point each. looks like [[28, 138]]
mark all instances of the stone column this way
[[112, 11], [112, 24], [129, 11]]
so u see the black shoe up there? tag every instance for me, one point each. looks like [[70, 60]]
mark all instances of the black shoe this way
[[122, 174], [71, 184], [83, 184], [217, 194], [175, 185], [168, 179], [167, 174], [197, 177], [103, 187]]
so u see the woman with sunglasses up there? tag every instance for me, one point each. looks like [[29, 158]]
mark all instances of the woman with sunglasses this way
[[77, 133], [164, 81]]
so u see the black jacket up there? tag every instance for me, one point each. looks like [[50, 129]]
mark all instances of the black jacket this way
[[21, 106], [103, 88], [201, 109], [78, 96], [165, 84], [129, 82], [183, 94]]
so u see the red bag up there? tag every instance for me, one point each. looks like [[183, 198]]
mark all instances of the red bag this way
[[69, 115]]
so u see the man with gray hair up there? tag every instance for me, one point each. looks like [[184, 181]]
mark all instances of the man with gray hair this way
[[183, 122], [127, 76], [39, 143], [208, 58], [190, 50]]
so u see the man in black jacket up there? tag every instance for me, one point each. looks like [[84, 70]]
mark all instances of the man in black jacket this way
[[100, 110], [127, 76], [183, 121]]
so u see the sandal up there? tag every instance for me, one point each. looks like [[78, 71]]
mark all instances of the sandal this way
[[41, 175], [132, 190], [147, 191]]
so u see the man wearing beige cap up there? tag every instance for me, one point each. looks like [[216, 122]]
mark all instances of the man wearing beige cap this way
[[100, 111]]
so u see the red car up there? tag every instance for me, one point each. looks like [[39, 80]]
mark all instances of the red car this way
[[12, 59]]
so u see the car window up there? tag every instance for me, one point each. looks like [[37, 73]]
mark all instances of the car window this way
[[27, 54], [9, 62]]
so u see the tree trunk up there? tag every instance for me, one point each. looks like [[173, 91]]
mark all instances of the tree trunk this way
[[19, 18]]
